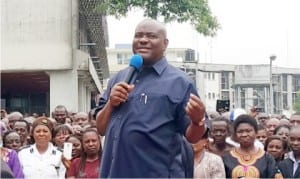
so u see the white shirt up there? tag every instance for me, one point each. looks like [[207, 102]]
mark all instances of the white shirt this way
[[296, 163], [43, 166]]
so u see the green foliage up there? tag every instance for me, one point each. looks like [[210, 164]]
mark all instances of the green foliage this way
[[196, 12], [297, 103]]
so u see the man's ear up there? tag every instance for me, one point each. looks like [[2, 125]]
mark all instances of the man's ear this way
[[166, 43]]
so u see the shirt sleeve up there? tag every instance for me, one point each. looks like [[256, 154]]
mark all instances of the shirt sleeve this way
[[105, 96], [271, 166], [183, 119], [72, 171], [218, 170], [16, 165]]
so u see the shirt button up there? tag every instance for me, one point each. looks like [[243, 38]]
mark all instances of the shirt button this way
[[137, 81]]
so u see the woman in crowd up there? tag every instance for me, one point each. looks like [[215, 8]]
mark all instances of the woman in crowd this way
[[283, 131], [10, 157], [248, 161], [206, 164], [77, 149], [60, 133], [12, 140], [42, 159], [262, 134], [87, 166], [277, 147]]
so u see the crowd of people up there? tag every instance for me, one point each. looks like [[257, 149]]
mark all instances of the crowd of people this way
[[155, 127], [32, 146]]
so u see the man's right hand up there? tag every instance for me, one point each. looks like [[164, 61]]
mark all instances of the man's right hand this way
[[119, 93]]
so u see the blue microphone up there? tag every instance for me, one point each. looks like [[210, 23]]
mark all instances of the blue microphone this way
[[135, 64]]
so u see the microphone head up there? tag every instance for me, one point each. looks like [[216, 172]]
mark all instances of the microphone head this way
[[136, 61]]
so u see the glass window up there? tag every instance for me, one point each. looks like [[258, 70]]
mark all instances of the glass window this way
[[224, 80], [243, 100], [285, 100], [296, 83], [209, 95], [225, 95], [284, 82]]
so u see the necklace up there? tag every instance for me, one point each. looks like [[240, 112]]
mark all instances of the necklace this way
[[246, 157]]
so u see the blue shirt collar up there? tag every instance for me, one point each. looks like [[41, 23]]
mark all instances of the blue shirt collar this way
[[160, 65]]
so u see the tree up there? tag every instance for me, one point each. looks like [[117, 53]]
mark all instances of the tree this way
[[195, 12], [296, 105]]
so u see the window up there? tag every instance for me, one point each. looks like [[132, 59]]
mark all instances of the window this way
[[123, 58], [213, 76], [225, 95], [208, 75], [284, 100], [209, 95], [243, 99], [224, 80], [284, 82], [213, 95], [259, 97], [294, 98], [296, 83]]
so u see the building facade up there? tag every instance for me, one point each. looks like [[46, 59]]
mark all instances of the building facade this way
[[244, 86], [51, 54]]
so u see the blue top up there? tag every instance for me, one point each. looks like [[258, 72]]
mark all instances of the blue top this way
[[144, 135]]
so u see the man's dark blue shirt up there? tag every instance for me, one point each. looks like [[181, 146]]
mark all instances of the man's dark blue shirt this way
[[144, 135]]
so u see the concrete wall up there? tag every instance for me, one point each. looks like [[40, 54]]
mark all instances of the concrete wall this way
[[64, 89], [252, 74], [36, 34]]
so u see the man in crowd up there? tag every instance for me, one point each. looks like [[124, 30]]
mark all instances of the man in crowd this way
[[271, 125], [295, 119], [80, 118], [13, 117], [60, 114], [22, 127]]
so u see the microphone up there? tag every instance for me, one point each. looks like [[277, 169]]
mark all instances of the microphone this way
[[135, 64]]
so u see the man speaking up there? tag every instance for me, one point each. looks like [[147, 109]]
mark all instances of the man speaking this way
[[144, 121]]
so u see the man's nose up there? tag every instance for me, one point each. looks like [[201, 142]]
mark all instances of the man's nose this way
[[144, 39]]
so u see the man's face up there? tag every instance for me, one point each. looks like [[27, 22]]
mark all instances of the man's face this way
[[12, 119], [80, 119], [271, 125], [295, 120], [60, 115], [219, 131], [149, 41], [294, 140], [262, 119], [21, 129]]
